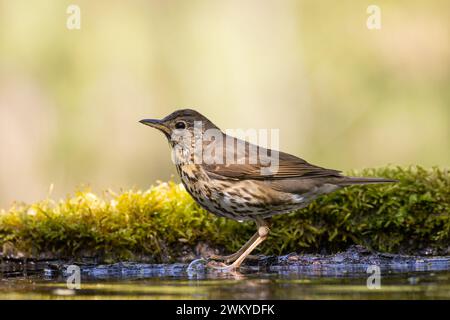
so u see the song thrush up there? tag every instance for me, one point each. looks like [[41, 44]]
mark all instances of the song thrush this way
[[231, 182]]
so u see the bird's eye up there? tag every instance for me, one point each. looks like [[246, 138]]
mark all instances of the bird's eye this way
[[180, 125]]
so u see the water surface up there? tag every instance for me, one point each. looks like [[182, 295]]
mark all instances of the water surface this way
[[421, 279]]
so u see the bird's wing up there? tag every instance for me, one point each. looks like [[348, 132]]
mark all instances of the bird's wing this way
[[289, 166]]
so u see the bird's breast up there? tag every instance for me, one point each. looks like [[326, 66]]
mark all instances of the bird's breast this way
[[239, 200]]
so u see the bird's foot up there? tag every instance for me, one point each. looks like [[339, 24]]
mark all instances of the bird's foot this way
[[220, 266], [204, 264], [215, 257], [230, 258]]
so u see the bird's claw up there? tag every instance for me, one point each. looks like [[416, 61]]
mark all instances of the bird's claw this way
[[220, 266], [203, 264]]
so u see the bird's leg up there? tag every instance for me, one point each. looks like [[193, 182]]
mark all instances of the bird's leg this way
[[263, 232], [232, 257]]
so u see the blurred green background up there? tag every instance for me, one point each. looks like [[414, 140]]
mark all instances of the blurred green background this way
[[343, 96]]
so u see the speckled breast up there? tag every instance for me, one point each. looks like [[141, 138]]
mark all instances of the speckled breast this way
[[238, 200]]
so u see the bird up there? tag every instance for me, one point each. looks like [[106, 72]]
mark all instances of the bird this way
[[226, 176]]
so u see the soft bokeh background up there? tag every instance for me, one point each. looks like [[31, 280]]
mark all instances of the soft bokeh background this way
[[342, 96]]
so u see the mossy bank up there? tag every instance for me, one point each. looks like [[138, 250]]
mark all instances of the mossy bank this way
[[164, 224]]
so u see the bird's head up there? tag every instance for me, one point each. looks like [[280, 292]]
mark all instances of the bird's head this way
[[185, 122]]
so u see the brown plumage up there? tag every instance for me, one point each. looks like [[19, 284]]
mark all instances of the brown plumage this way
[[234, 183]]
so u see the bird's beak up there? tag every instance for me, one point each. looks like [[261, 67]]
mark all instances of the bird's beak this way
[[155, 123]]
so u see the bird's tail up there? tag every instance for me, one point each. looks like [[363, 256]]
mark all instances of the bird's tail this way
[[348, 181]]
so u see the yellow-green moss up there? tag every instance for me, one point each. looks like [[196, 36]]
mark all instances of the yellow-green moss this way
[[407, 216]]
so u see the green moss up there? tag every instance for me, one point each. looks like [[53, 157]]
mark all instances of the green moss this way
[[163, 221]]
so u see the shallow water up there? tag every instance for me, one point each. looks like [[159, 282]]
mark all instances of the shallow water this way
[[421, 279]]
